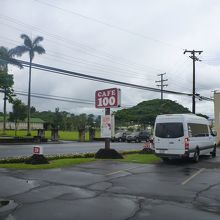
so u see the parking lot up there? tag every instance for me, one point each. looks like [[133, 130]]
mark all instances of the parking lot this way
[[107, 189]]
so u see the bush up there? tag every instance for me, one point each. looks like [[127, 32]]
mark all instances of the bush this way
[[59, 156]]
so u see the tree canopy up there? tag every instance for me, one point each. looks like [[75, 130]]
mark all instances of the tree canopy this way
[[6, 84], [145, 112], [18, 113]]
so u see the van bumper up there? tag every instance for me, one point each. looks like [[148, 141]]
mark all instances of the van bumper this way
[[173, 156]]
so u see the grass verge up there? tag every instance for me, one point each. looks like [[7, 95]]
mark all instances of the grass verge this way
[[53, 164], [58, 161], [63, 135]]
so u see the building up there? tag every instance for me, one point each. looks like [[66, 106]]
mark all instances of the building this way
[[35, 123], [217, 114]]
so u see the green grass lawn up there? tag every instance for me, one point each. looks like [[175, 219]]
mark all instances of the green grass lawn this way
[[53, 164], [129, 158], [64, 135]]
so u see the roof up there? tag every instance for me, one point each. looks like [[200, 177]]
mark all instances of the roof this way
[[35, 120], [32, 120], [187, 116]]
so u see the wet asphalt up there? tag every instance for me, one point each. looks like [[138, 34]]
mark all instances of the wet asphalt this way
[[111, 190]]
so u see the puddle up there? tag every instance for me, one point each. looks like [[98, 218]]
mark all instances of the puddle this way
[[6, 205], [188, 171], [213, 207]]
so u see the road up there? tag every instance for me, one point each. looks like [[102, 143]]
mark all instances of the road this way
[[110, 190], [64, 148]]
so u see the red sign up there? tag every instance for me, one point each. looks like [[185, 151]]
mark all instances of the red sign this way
[[108, 98], [36, 150]]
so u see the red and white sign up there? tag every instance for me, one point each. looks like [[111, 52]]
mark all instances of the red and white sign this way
[[106, 126], [108, 98], [37, 150]]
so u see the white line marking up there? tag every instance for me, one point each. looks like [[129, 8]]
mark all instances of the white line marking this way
[[109, 174], [119, 171], [194, 175]]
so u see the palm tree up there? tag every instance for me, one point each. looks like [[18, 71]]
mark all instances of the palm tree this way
[[6, 57], [30, 47]]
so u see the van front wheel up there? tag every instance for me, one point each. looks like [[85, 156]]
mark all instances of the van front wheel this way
[[196, 156]]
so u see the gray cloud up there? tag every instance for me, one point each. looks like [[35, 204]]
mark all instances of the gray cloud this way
[[160, 32]]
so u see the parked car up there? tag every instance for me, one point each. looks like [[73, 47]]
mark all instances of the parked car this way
[[138, 136], [120, 136]]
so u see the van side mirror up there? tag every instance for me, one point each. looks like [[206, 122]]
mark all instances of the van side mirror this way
[[214, 133]]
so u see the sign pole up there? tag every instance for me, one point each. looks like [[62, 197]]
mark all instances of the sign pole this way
[[107, 140], [106, 99]]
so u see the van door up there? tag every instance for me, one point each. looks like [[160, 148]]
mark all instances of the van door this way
[[169, 138], [200, 137]]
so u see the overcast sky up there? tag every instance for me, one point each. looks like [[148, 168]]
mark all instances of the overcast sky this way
[[125, 40]]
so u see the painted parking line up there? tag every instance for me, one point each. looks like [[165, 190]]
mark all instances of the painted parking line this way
[[191, 177], [120, 171]]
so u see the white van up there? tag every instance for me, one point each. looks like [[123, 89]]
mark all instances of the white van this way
[[183, 136]]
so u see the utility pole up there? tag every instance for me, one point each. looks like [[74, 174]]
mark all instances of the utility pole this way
[[194, 58], [162, 85]]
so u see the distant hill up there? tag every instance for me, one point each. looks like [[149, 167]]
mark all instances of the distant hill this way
[[145, 112]]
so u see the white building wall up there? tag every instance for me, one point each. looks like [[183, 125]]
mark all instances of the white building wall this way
[[21, 126], [217, 114]]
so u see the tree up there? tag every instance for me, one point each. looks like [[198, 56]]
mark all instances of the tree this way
[[145, 112], [33, 110], [30, 47], [98, 121], [81, 121], [18, 113], [57, 119], [6, 80], [91, 120], [91, 126]]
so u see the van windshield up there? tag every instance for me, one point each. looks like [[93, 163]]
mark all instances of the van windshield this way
[[169, 130]]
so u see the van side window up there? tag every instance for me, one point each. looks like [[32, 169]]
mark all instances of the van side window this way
[[198, 130], [189, 130]]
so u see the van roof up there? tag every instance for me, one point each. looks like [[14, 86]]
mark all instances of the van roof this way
[[181, 116]]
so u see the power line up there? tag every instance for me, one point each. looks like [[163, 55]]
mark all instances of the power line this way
[[88, 49], [108, 56], [98, 79], [95, 78], [56, 98], [60, 98], [97, 66], [85, 48], [107, 24], [93, 65]]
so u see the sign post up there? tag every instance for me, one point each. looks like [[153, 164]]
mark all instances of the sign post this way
[[107, 140], [107, 99]]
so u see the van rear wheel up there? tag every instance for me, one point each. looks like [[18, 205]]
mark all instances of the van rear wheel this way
[[196, 156], [214, 152], [165, 159]]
